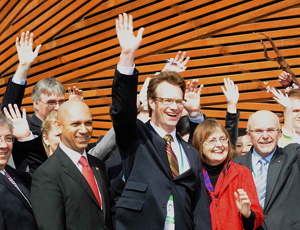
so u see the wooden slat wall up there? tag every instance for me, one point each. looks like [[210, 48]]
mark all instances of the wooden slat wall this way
[[80, 46]]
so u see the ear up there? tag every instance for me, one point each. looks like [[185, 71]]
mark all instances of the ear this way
[[46, 140], [58, 126], [36, 105], [151, 103]]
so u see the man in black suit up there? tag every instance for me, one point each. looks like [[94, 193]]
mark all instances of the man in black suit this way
[[281, 199], [15, 208], [70, 190], [155, 196]]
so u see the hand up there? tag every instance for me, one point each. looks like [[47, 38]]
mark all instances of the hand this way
[[128, 42], [192, 95], [243, 203], [285, 79], [232, 94], [76, 94], [21, 129], [24, 48], [181, 63], [284, 101]]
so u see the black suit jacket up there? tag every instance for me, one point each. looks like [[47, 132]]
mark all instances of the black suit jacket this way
[[15, 211], [62, 198], [281, 209], [149, 181]]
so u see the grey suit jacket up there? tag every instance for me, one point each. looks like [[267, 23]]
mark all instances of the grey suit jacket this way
[[281, 209], [62, 198]]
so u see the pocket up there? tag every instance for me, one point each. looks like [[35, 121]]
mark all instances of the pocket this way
[[129, 203]]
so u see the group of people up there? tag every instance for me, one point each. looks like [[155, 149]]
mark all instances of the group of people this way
[[163, 165]]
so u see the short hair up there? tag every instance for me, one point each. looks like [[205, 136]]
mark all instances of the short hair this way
[[46, 126], [242, 132], [48, 86], [294, 93], [204, 130], [170, 77], [5, 121]]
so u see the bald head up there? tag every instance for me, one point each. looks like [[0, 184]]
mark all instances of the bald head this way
[[264, 131], [75, 125]]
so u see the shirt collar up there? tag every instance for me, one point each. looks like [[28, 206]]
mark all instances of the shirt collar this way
[[75, 156], [256, 157], [162, 132]]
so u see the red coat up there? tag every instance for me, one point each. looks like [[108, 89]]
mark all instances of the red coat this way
[[225, 214]]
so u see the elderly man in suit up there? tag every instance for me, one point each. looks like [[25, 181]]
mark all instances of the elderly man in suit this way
[[164, 181], [70, 190], [276, 172], [15, 207]]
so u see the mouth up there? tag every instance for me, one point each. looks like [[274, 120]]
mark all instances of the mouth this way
[[266, 143], [172, 114], [83, 139]]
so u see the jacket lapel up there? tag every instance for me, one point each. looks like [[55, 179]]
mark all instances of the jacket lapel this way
[[273, 173], [14, 190], [72, 171]]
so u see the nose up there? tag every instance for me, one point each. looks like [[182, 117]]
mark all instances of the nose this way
[[56, 106], [265, 134], [83, 129], [174, 105], [218, 143], [3, 143]]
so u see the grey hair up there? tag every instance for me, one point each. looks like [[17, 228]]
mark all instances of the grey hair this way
[[252, 115], [48, 86], [4, 121]]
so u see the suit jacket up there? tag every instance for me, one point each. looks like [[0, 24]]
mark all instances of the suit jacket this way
[[15, 211], [63, 199], [281, 209], [149, 181]]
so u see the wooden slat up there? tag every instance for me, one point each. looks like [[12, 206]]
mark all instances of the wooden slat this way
[[7, 9]]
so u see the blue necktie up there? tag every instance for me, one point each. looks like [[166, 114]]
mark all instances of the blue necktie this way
[[261, 181]]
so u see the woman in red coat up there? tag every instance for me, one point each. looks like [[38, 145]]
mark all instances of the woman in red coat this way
[[230, 187]]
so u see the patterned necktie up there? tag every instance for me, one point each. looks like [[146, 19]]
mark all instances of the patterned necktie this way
[[171, 156], [89, 176], [261, 181], [17, 187]]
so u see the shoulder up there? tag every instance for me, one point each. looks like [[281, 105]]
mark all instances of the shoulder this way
[[241, 168]]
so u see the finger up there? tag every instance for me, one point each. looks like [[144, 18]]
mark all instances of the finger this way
[[37, 50], [12, 112], [130, 23], [188, 85], [182, 57], [117, 27], [17, 43], [24, 114], [17, 111], [121, 22], [30, 40], [22, 40], [237, 199], [186, 61], [178, 56], [7, 114], [140, 33], [69, 90], [125, 16], [200, 89], [171, 61], [224, 91], [27, 38]]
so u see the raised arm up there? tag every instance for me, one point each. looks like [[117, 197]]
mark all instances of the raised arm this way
[[231, 93], [177, 64], [285, 79]]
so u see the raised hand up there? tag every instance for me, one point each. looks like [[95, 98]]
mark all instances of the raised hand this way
[[285, 79], [192, 95], [283, 100], [181, 63], [76, 94], [243, 202], [24, 47], [21, 129], [128, 42], [231, 93]]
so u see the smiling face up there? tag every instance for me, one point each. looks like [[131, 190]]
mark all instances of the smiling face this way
[[264, 143], [5, 147], [166, 116], [51, 139], [216, 153], [75, 125], [243, 145]]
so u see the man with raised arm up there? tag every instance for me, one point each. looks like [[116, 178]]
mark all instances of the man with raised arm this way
[[163, 174]]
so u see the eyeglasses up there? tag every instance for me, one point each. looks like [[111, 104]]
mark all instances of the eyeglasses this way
[[213, 142], [170, 101], [53, 104], [261, 131], [7, 139]]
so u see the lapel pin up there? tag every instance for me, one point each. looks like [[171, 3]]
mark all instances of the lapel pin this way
[[96, 168], [279, 161]]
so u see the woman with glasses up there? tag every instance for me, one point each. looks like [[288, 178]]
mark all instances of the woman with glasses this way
[[230, 188]]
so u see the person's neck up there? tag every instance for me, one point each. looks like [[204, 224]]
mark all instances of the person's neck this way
[[297, 131], [39, 116]]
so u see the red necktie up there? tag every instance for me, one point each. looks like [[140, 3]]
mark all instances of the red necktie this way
[[171, 156], [89, 176]]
